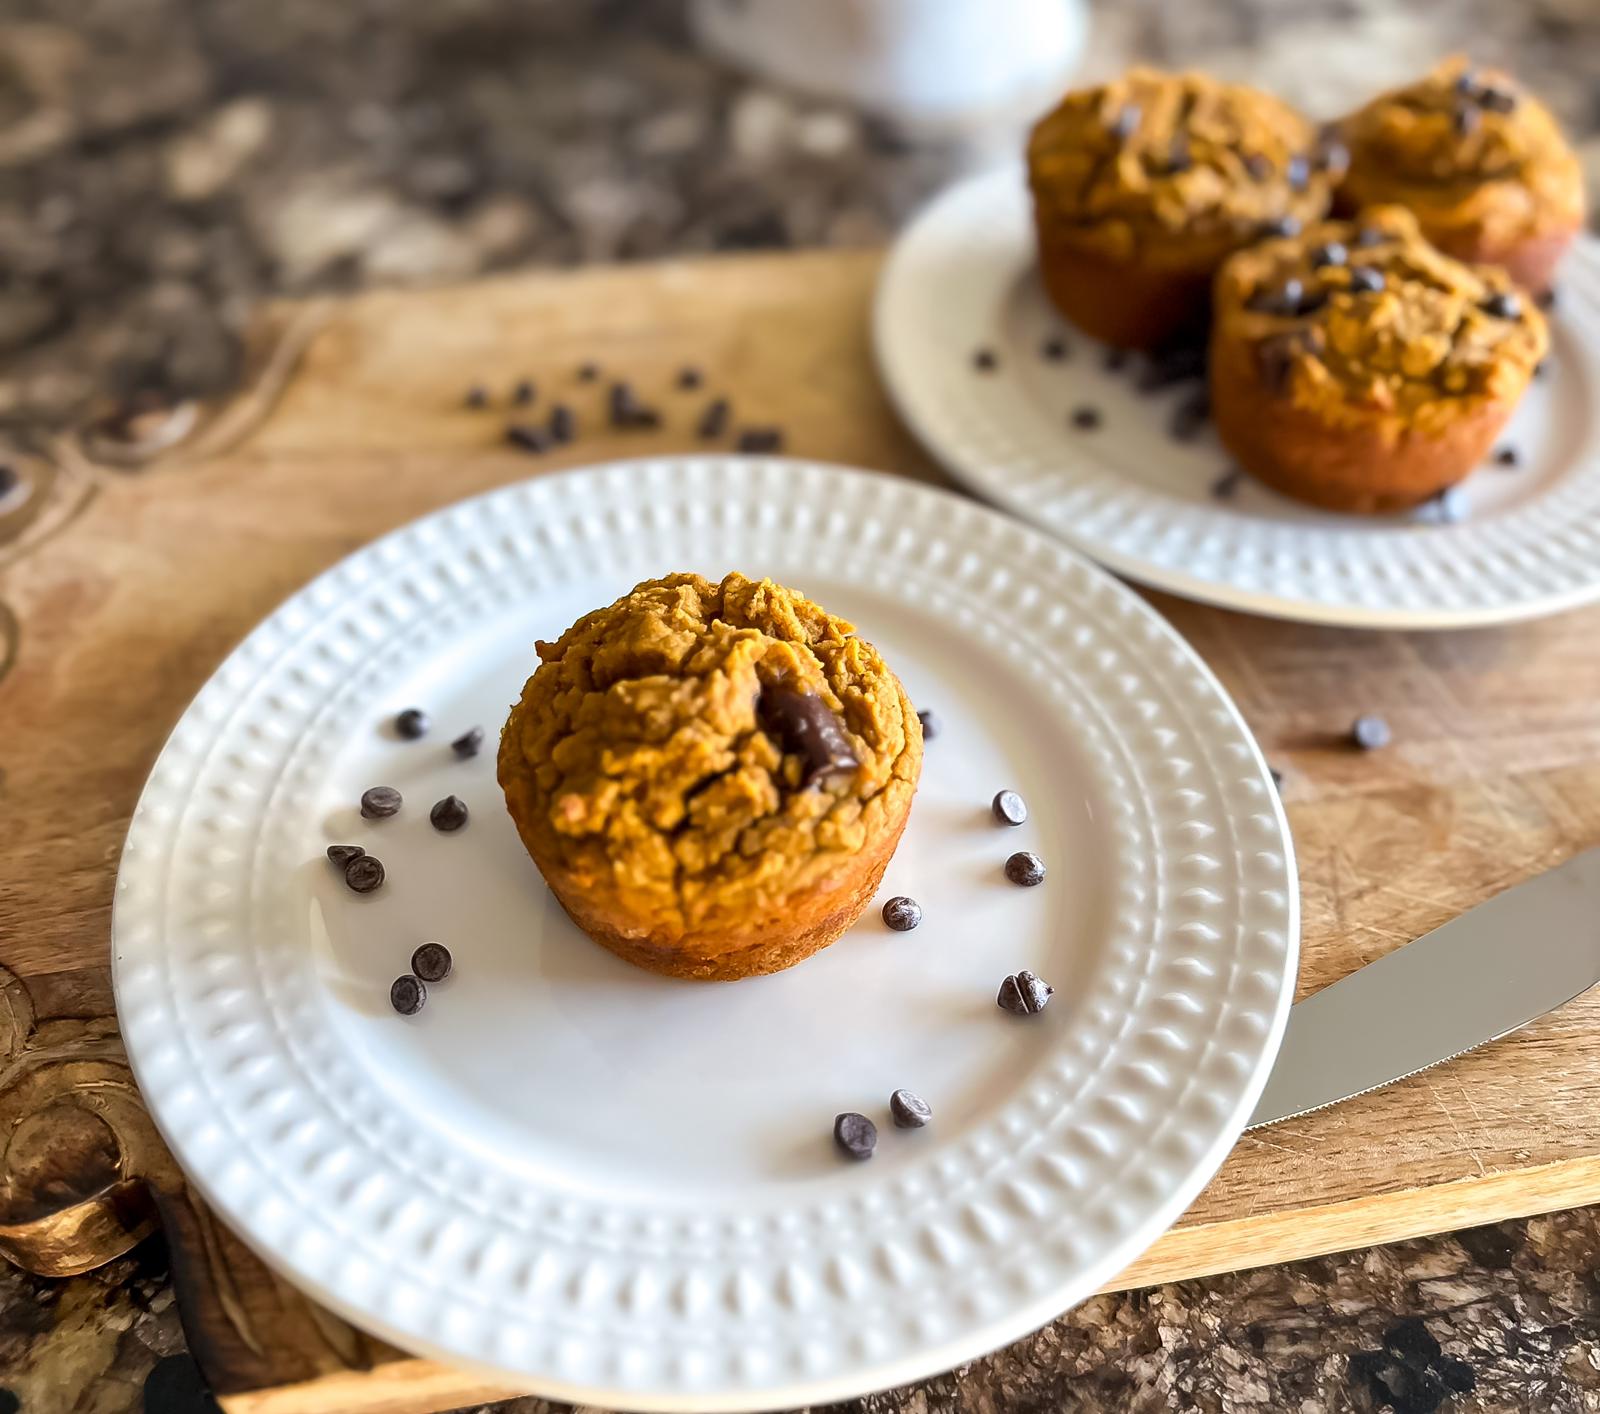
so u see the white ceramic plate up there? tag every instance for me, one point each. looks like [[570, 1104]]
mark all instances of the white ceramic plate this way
[[962, 276], [621, 1190]]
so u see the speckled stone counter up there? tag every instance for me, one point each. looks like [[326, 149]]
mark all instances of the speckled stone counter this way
[[164, 164]]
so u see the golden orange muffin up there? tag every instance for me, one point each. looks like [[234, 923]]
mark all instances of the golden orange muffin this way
[[1142, 187], [711, 777], [1360, 369], [1481, 163]]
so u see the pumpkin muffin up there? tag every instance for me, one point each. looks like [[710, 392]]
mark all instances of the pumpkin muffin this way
[[1481, 163], [1142, 187], [1360, 369], [711, 777]]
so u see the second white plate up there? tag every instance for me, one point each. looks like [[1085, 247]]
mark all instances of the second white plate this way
[[962, 277]]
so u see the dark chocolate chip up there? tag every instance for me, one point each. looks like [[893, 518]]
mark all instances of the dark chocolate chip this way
[[643, 419], [909, 1109], [364, 873], [806, 726], [1466, 120], [1298, 173], [1054, 348], [1258, 166], [1497, 100], [1284, 301], [588, 372], [984, 361], [563, 425], [1277, 777], [1225, 485], [1280, 226], [9, 479], [1023, 994], [1190, 415], [1175, 365], [621, 404], [1366, 279], [1370, 732], [469, 743], [449, 814], [523, 394], [1369, 236], [379, 803], [412, 723], [1508, 456], [1542, 368], [1502, 305], [477, 396], [1009, 808], [432, 962], [689, 378], [855, 1134], [902, 913], [1548, 300], [1311, 301], [714, 420], [1329, 253], [342, 854], [1086, 418], [1450, 505], [1411, 1340], [760, 439], [1126, 123], [1115, 360], [932, 723], [1025, 869], [1458, 1376], [525, 437], [1332, 157], [1178, 157], [1466, 82], [407, 994], [1276, 359]]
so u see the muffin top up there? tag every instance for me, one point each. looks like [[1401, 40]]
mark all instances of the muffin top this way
[[1467, 149], [1360, 318], [1175, 166], [705, 749]]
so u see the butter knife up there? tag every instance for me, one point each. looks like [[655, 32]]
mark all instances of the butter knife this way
[[1475, 979]]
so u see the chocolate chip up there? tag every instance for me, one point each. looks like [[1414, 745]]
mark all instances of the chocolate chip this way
[[1497, 100], [1009, 808], [379, 803], [523, 394], [1280, 226], [1175, 365], [1276, 358], [10, 478], [1178, 157], [469, 743], [909, 1109], [1025, 869], [1369, 236], [477, 396], [1226, 484], [1508, 456], [1502, 305], [1284, 301], [643, 419], [1190, 415], [1450, 505], [1411, 1340], [1370, 732], [855, 1134], [760, 439], [1547, 300], [1466, 82], [1311, 301], [902, 913], [525, 437], [588, 372], [1542, 368], [1115, 360], [407, 994], [622, 405], [1466, 120], [1332, 157], [1457, 1375], [1258, 166], [432, 962], [714, 420], [984, 361], [1126, 123], [1328, 253], [1054, 348], [1023, 994], [563, 425], [806, 726], [1366, 279], [449, 814], [1086, 418], [364, 873], [412, 723], [342, 854], [1298, 173], [1277, 778], [689, 378], [932, 723]]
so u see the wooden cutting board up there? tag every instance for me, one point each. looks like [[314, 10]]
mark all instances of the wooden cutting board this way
[[121, 587]]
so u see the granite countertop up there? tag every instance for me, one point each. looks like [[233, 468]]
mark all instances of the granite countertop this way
[[165, 164]]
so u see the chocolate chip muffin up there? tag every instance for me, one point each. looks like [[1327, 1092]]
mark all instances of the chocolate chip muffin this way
[[1142, 187], [711, 777], [1360, 369], [1481, 163]]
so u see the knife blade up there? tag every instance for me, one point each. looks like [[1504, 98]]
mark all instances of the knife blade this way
[[1473, 980]]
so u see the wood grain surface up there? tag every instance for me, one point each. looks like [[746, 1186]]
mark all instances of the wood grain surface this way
[[122, 586]]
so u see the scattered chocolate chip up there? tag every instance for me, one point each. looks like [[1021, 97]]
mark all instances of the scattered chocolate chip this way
[[449, 814], [1126, 123], [1370, 732], [1508, 456], [477, 396], [469, 743], [1298, 173], [1009, 808], [622, 404], [1025, 869], [432, 962], [1366, 279], [563, 425], [1369, 236], [364, 873], [1115, 360], [1190, 415], [1258, 166], [760, 439], [1277, 778], [379, 803], [1458, 1376], [412, 723], [1451, 505], [985, 361], [525, 437], [342, 854], [1497, 100], [1284, 301], [1276, 357], [1225, 485], [932, 723], [1175, 365], [909, 1109], [1086, 418], [1311, 302], [714, 420], [588, 372], [1054, 349], [1178, 158], [1023, 994], [1328, 253], [1411, 1340], [1332, 157], [902, 913], [1542, 368], [855, 1134], [1548, 300], [10, 479], [1466, 120], [689, 378], [407, 994], [1502, 305], [1280, 226], [1466, 82], [805, 725], [644, 419], [523, 394]]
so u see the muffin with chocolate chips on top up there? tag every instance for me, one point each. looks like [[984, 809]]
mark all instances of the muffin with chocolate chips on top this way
[[1481, 163], [1142, 187], [711, 777], [1360, 369]]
